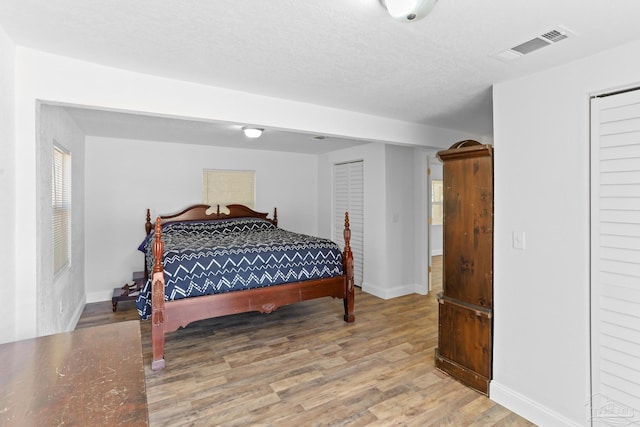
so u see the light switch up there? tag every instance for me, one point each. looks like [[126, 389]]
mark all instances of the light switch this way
[[518, 240]]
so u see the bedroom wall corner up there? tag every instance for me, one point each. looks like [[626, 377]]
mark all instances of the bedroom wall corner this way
[[7, 186]]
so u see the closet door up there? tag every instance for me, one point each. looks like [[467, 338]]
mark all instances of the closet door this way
[[615, 258], [348, 195]]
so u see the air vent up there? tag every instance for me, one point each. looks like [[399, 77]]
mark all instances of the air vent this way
[[543, 40], [530, 46], [555, 36]]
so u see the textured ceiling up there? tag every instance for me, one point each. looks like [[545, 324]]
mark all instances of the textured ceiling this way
[[346, 54]]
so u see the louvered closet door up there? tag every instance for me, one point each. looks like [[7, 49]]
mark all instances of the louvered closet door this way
[[348, 195], [615, 259]]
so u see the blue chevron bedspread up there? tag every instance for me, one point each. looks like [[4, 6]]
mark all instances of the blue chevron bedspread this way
[[202, 258]]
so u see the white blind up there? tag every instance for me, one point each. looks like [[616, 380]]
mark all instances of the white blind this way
[[348, 195], [615, 243], [226, 187], [61, 206], [437, 201]]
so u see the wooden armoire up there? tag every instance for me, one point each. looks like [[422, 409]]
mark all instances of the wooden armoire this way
[[465, 325]]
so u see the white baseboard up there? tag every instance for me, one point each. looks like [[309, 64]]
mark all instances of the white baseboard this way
[[73, 322], [527, 408], [420, 292], [388, 293]]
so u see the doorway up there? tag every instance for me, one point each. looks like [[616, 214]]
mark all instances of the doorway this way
[[435, 199]]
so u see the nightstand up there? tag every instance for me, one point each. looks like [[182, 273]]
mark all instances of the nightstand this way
[[128, 292]]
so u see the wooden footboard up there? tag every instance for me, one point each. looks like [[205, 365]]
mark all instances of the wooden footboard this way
[[168, 316]]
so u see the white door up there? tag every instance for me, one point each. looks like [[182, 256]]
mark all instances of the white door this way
[[348, 195], [615, 259], [435, 201]]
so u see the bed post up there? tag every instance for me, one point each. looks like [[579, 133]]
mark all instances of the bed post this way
[[157, 301], [275, 216], [347, 261], [147, 225], [147, 228]]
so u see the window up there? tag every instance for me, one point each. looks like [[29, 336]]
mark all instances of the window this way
[[61, 206], [225, 187], [437, 197]]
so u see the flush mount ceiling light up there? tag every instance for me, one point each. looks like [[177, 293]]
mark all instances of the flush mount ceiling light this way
[[408, 10], [250, 132]]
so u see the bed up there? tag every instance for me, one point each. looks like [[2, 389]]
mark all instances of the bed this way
[[202, 264]]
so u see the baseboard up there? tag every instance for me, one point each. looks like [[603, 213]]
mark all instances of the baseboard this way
[[420, 289], [73, 322], [388, 293], [527, 408]]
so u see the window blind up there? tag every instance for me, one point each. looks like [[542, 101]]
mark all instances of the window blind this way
[[437, 201], [61, 206], [225, 187]]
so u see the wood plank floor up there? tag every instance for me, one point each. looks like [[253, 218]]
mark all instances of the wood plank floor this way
[[303, 366]]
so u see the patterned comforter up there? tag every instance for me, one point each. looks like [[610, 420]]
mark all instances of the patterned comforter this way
[[202, 258]]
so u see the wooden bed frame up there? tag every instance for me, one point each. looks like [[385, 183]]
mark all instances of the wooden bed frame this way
[[169, 316]]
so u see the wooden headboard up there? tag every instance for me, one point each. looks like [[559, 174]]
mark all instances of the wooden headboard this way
[[199, 213]]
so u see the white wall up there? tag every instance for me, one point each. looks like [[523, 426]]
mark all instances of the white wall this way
[[400, 220], [541, 134], [8, 286], [60, 301], [120, 186]]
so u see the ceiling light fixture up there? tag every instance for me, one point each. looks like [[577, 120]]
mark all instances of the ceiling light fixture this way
[[250, 132], [408, 10]]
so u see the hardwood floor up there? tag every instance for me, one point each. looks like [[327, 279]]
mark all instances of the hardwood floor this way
[[303, 366]]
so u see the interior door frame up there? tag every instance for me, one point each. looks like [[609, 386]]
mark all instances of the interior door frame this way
[[429, 209]]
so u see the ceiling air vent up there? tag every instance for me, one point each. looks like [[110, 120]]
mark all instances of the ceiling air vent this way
[[530, 46], [555, 36], [543, 40]]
